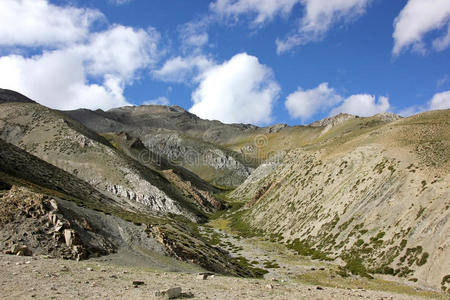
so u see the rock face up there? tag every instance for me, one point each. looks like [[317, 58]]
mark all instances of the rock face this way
[[213, 164], [377, 200], [75, 149]]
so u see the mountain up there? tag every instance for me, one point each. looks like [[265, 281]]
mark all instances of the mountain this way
[[375, 195], [12, 96], [179, 137], [367, 196]]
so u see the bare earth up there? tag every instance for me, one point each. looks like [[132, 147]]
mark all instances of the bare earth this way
[[44, 278]]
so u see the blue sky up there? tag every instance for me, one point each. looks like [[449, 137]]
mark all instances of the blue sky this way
[[250, 61]]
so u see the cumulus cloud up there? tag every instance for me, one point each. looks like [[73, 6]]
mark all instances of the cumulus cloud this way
[[241, 90], [39, 23], [440, 101], [417, 19], [304, 104], [58, 80], [120, 50], [158, 101], [183, 69], [320, 16], [91, 71], [264, 10], [362, 105]]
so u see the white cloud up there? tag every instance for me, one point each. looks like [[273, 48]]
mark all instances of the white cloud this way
[[119, 2], [418, 18], [39, 23], [158, 101], [362, 105], [47, 80], [320, 16], [304, 104], [183, 69], [411, 110], [120, 50], [89, 72], [440, 101], [264, 10], [240, 90], [194, 35]]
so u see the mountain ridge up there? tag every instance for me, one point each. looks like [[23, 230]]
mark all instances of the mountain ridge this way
[[369, 194]]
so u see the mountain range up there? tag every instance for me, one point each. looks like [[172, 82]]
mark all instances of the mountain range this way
[[369, 194]]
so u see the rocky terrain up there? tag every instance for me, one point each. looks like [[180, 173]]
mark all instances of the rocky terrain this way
[[375, 198], [349, 204], [179, 137], [50, 278]]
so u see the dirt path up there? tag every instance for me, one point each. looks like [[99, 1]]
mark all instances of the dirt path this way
[[43, 278]]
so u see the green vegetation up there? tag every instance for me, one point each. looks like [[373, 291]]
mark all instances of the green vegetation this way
[[244, 263], [305, 249], [420, 212], [271, 265], [423, 259]]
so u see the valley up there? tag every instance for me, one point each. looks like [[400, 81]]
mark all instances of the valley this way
[[349, 206]]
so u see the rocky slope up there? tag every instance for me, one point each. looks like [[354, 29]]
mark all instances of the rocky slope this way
[[179, 137], [376, 197], [369, 195], [54, 212], [70, 146]]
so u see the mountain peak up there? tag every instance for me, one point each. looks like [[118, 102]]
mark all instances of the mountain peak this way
[[12, 96], [333, 121]]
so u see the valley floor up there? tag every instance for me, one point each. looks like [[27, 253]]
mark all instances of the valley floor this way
[[44, 278], [286, 267]]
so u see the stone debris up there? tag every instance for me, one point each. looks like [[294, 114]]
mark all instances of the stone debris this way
[[137, 283], [269, 286], [205, 275], [171, 293], [19, 250]]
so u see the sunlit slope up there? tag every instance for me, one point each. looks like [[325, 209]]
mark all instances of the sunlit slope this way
[[374, 194]]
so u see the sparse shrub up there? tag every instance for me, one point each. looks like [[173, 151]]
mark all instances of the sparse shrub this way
[[423, 259]]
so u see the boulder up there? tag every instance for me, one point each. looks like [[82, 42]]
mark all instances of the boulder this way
[[171, 293], [68, 234], [21, 250]]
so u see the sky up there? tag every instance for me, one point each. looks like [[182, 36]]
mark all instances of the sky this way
[[237, 61]]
